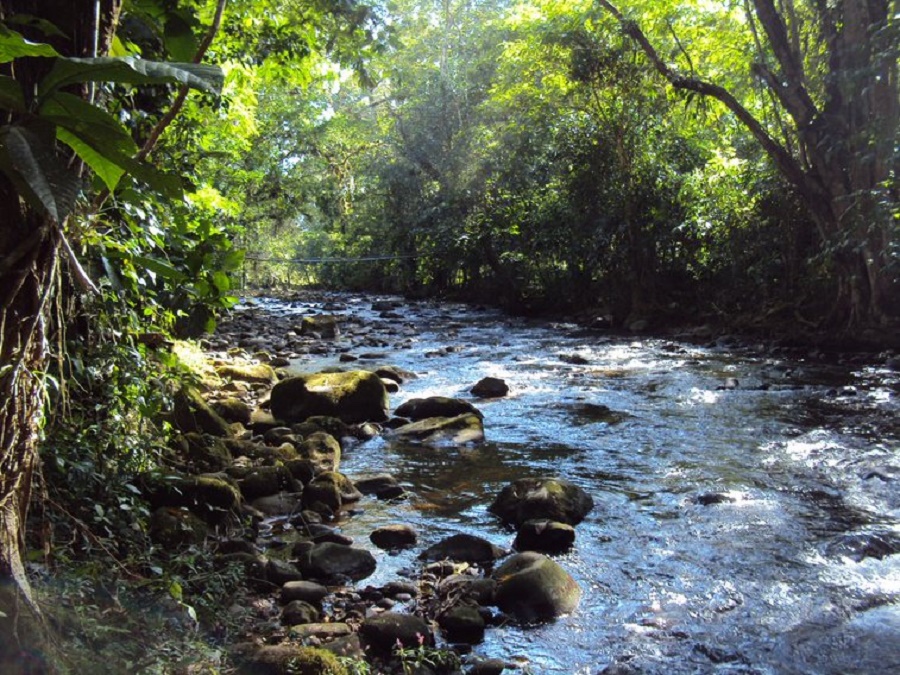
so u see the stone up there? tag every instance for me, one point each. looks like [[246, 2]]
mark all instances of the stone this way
[[546, 536], [330, 562], [435, 406], [297, 612], [280, 572], [323, 450], [191, 413], [542, 499], [354, 396], [394, 537], [174, 528], [490, 387], [382, 486], [323, 325], [290, 659], [263, 481], [307, 591], [331, 490], [462, 623], [277, 504], [233, 410], [532, 587], [466, 428], [398, 375], [206, 454], [487, 667], [463, 548], [383, 631], [210, 496], [260, 373], [322, 631]]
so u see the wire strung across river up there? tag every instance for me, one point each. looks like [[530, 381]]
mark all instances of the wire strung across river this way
[[319, 261]]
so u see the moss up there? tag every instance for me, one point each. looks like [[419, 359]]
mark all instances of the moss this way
[[259, 372], [292, 660]]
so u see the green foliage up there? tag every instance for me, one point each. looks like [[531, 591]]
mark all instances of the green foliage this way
[[415, 659]]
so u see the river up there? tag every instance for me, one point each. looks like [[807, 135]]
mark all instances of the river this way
[[739, 527]]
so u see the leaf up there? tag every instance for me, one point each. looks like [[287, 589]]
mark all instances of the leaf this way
[[176, 591], [46, 27], [130, 70], [159, 267], [11, 97], [221, 281], [13, 46], [181, 44], [108, 171], [32, 159]]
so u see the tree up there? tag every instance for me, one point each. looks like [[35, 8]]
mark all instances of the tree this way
[[831, 72], [52, 136]]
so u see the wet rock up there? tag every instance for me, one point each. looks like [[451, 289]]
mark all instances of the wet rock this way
[[545, 536], [277, 504], [394, 537], [390, 386], [574, 359], [233, 410], [417, 409], [382, 632], [354, 396], [324, 326], [462, 623], [477, 590], [398, 375], [209, 496], [861, 545], [334, 563], [382, 486], [278, 435], [490, 387], [730, 384], [463, 548], [330, 425], [260, 373], [263, 481], [297, 612], [330, 489], [532, 587], [206, 454], [174, 528], [487, 667], [542, 499], [319, 534], [322, 631], [288, 658], [280, 572], [467, 428], [192, 414], [307, 591], [712, 498]]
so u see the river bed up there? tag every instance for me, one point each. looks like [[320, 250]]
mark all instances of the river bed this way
[[747, 508]]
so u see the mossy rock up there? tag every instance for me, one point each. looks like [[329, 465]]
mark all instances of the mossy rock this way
[[259, 373], [233, 410], [263, 481], [330, 425], [532, 587], [174, 528], [291, 660], [466, 428], [542, 499], [210, 496], [323, 450], [207, 453], [191, 413], [323, 325], [354, 396]]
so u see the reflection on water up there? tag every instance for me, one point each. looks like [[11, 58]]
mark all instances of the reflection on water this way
[[708, 549]]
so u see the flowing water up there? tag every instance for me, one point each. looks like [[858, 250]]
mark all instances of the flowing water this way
[[731, 525]]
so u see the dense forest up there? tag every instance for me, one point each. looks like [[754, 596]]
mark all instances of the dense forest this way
[[638, 164]]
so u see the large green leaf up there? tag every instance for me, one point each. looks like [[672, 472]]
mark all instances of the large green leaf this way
[[109, 171], [130, 70], [11, 94], [31, 160], [14, 46]]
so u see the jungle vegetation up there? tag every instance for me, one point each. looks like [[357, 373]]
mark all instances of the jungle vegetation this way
[[636, 160]]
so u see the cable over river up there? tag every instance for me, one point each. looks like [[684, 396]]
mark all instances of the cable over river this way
[[747, 511]]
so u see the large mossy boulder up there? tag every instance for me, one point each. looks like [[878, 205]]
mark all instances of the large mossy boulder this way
[[353, 396], [542, 499], [192, 414], [289, 659], [209, 496], [336, 563], [532, 587], [465, 428], [435, 406]]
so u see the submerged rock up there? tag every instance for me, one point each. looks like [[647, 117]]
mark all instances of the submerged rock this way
[[532, 587], [542, 499], [354, 396], [435, 406], [466, 428]]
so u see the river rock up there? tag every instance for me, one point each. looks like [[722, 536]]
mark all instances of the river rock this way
[[490, 387], [394, 537], [280, 572], [308, 591], [532, 587], [334, 563], [205, 453], [191, 413], [331, 489], [383, 631], [259, 373], [383, 486], [297, 612], [233, 410], [277, 504], [860, 545], [542, 499], [263, 481], [209, 496], [463, 547], [466, 428], [395, 373], [330, 425], [322, 631], [462, 623], [546, 536], [289, 658], [323, 450], [354, 396], [435, 406]]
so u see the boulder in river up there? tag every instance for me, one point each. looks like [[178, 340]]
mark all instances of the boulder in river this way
[[465, 428], [383, 631], [289, 658], [382, 486], [462, 623], [532, 587], [463, 547], [490, 387], [335, 563], [323, 450], [435, 406], [546, 536], [323, 325], [394, 537], [542, 499], [353, 396]]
